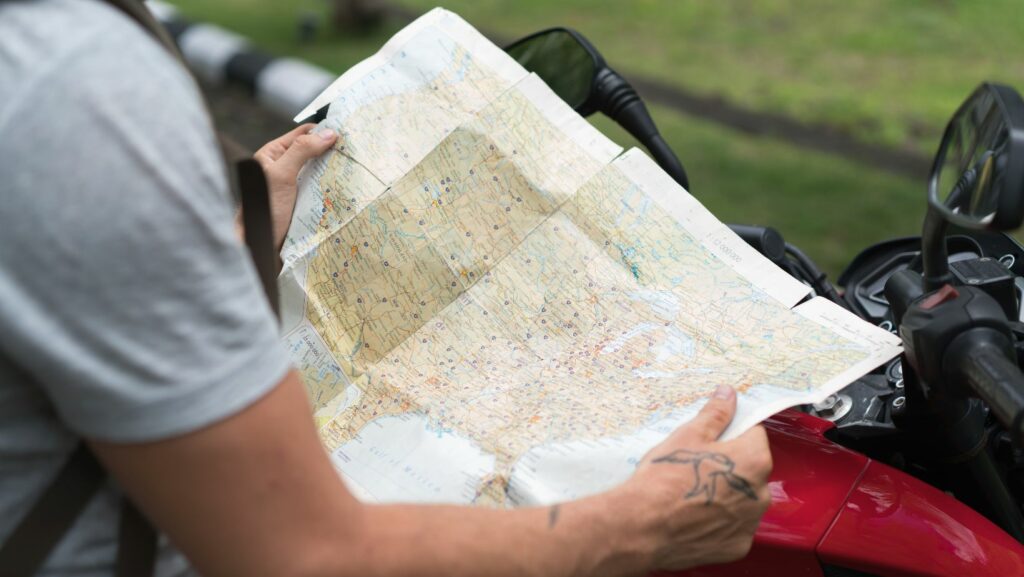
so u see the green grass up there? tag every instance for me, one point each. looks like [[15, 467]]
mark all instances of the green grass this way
[[887, 71], [830, 207]]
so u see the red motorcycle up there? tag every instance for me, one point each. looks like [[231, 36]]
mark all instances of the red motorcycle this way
[[916, 469]]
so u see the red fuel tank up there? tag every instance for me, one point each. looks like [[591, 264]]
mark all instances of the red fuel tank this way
[[835, 507], [895, 525]]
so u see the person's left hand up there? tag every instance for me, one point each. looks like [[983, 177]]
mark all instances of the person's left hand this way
[[281, 159]]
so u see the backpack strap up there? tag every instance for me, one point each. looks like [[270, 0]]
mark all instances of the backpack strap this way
[[137, 11], [136, 543], [56, 510], [52, 514], [252, 184]]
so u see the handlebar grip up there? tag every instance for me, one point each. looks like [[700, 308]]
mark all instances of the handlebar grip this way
[[983, 358], [765, 239]]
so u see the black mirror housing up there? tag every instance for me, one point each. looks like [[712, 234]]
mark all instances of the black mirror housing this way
[[977, 178], [566, 61]]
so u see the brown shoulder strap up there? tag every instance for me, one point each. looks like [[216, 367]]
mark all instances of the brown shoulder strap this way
[[24, 551], [252, 185], [136, 543], [50, 518], [138, 12]]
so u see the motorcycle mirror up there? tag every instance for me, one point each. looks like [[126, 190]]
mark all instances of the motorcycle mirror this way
[[565, 61], [977, 179], [576, 71]]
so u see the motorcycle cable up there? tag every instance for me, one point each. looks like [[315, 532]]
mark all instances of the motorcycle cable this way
[[814, 276]]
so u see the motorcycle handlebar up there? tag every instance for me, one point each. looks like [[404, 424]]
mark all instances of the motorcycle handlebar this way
[[765, 239], [984, 359]]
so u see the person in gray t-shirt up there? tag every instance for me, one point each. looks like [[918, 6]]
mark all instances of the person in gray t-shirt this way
[[129, 311], [131, 317]]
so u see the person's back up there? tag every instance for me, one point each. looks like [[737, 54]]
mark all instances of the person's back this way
[[110, 180], [131, 319]]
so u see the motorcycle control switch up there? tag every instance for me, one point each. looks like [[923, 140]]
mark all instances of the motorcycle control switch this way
[[943, 295], [991, 276]]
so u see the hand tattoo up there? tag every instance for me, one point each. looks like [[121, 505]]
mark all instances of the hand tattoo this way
[[715, 466], [553, 515]]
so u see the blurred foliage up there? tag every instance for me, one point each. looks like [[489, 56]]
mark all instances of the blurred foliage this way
[[888, 72]]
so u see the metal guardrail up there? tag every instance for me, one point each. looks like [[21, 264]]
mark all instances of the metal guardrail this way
[[218, 56]]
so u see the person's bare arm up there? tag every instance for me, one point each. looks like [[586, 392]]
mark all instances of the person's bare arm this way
[[256, 495]]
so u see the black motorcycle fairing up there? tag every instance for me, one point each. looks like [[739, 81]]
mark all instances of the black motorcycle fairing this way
[[865, 277]]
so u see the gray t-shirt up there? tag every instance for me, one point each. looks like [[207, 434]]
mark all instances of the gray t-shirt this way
[[129, 312]]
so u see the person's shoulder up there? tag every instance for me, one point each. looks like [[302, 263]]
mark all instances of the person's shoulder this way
[[80, 46], [34, 33], [108, 113], [85, 70]]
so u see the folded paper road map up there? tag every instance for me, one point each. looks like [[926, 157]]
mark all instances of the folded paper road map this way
[[490, 302]]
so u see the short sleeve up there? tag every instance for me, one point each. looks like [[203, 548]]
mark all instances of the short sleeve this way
[[123, 291]]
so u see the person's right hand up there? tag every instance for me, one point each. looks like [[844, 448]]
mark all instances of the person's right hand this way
[[281, 160], [698, 499]]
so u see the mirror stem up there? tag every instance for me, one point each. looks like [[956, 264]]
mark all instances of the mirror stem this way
[[933, 251], [618, 99], [668, 160]]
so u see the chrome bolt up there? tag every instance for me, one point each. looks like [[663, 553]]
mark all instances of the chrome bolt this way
[[834, 407]]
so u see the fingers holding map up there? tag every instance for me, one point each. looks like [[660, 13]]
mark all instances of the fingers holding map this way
[[491, 303]]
